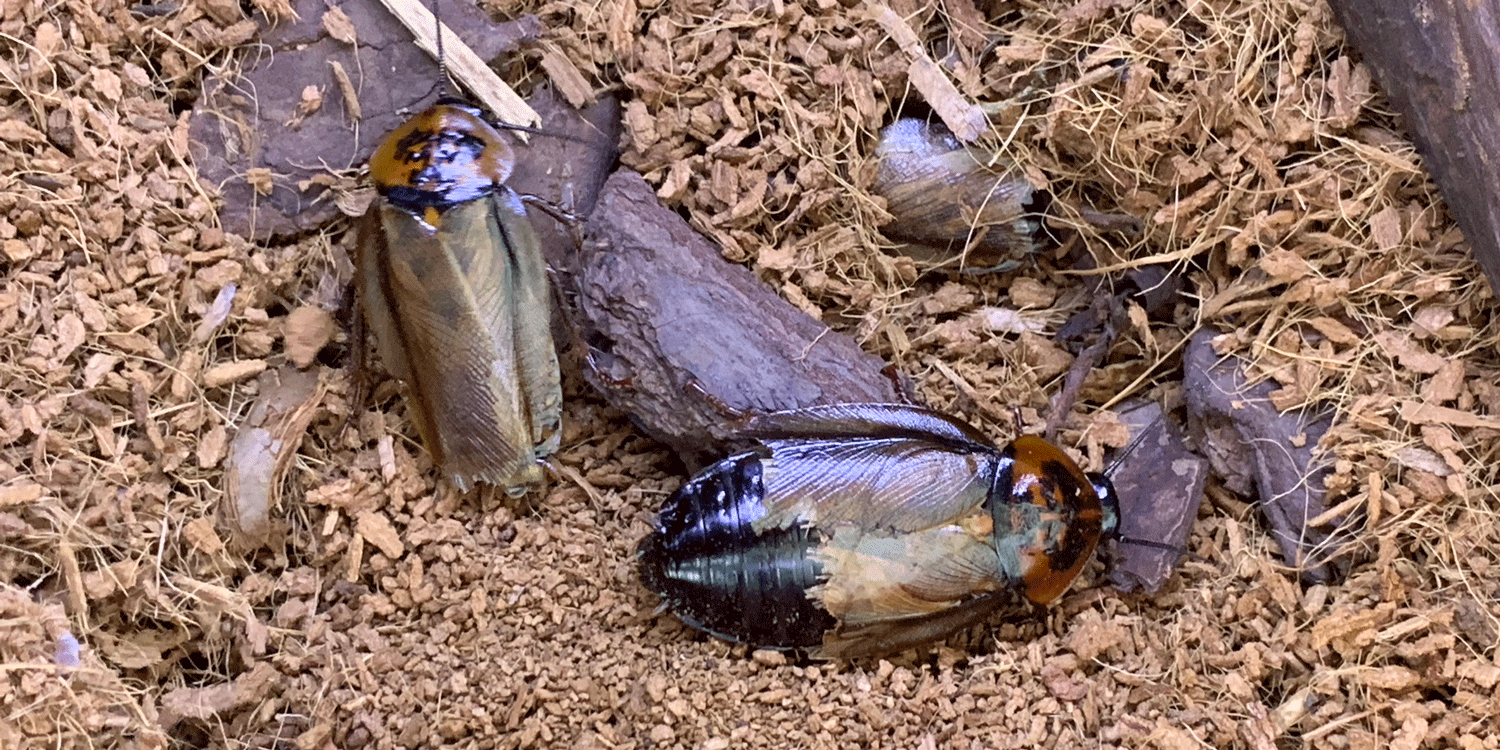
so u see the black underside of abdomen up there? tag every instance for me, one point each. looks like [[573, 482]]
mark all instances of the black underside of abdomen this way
[[718, 575]]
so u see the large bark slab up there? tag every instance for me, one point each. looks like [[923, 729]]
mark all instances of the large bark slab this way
[[1439, 62], [681, 339]]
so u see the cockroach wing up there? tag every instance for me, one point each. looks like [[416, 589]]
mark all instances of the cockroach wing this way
[[861, 421], [536, 356], [370, 263], [460, 312], [876, 576], [891, 590], [899, 484], [879, 637]]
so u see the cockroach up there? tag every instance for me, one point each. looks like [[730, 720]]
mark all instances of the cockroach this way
[[451, 277], [962, 205], [862, 529]]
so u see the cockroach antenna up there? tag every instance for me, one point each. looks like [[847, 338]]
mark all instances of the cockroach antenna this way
[[1109, 471], [437, 19]]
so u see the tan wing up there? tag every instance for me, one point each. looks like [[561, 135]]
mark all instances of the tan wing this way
[[895, 484], [529, 323], [369, 270], [889, 636], [446, 321], [890, 591]]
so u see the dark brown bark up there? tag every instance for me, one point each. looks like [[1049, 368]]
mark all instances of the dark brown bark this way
[[565, 165], [1439, 62], [1261, 452], [681, 339], [248, 118], [671, 333], [1159, 483]]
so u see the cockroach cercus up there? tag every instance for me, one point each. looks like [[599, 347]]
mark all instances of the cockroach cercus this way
[[863, 529], [451, 277]]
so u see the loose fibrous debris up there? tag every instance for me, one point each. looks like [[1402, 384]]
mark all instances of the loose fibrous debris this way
[[1269, 176]]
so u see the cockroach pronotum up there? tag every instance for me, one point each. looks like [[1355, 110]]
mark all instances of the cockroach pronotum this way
[[863, 529], [450, 275]]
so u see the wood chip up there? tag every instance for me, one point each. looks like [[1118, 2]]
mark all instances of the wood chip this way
[[308, 330], [232, 372], [966, 120], [376, 529]]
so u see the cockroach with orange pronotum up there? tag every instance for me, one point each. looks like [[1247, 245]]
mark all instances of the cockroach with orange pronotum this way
[[450, 275], [862, 529]]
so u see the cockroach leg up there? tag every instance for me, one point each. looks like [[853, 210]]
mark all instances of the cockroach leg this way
[[595, 359], [561, 215], [358, 361], [729, 412], [903, 385]]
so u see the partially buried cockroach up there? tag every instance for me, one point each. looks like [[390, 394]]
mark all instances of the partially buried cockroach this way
[[450, 275], [863, 529]]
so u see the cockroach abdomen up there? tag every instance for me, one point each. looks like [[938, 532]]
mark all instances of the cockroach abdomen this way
[[717, 573]]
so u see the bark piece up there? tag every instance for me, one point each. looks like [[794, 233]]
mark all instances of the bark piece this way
[[250, 120], [1261, 452], [1438, 65], [565, 165], [1160, 486], [679, 338]]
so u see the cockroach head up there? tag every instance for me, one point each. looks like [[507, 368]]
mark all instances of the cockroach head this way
[[1109, 504]]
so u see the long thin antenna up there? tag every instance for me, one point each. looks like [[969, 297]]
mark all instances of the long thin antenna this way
[[437, 19], [483, 84]]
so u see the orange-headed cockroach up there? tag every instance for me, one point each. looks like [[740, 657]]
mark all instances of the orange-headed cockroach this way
[[862, 529], [450, 275]]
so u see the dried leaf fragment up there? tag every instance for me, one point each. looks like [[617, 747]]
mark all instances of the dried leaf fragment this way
[[211, 700], [1160, 486], [262, 450], [338, 25], [20, 494], [376, 529], [216, 314], [346, 90], [1420, 413]]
